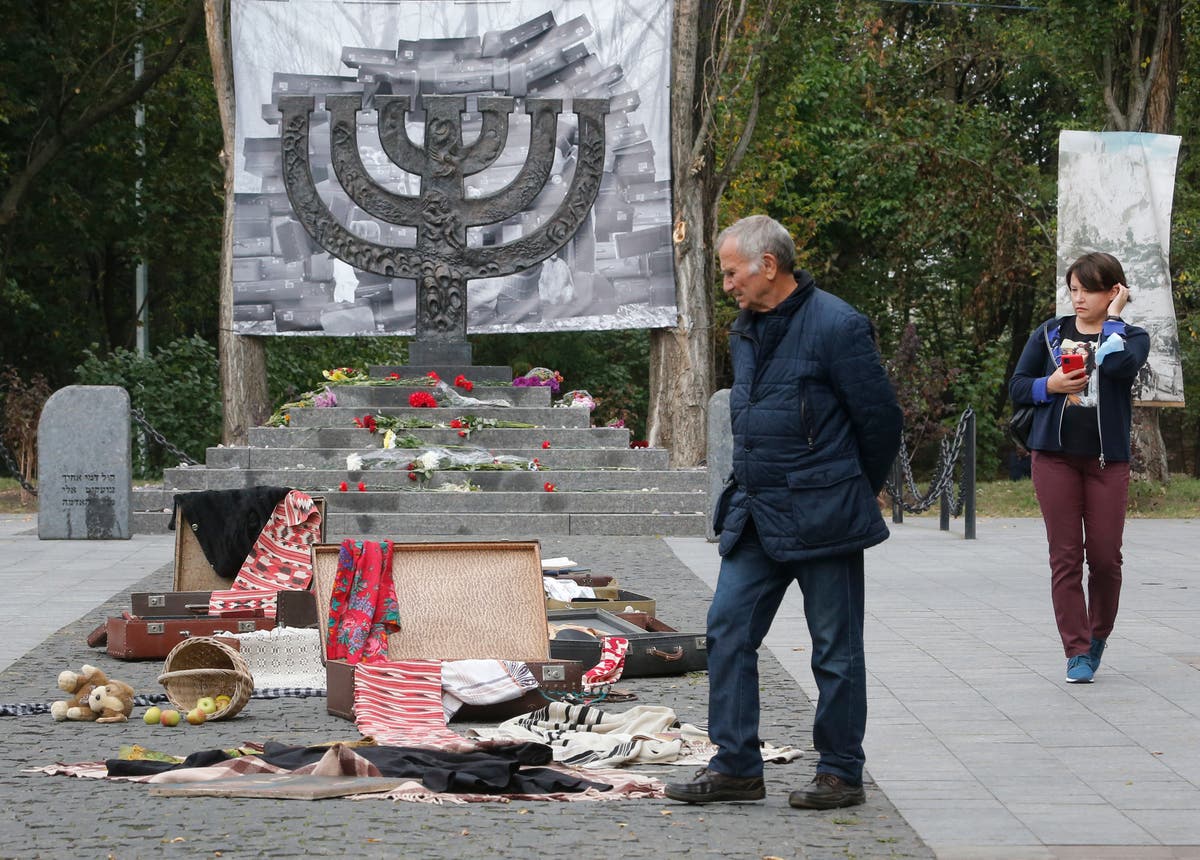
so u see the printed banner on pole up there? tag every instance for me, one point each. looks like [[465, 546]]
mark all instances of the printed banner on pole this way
[[291, 278], [1115, 193]]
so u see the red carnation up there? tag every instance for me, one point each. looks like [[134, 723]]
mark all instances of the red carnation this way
[[422, 398], [433, 375], [456, 424], [462, 382], [362, 486], [343, 486], [393, 375], [412, 476], [462, 434], [545, 443], [548, 487]]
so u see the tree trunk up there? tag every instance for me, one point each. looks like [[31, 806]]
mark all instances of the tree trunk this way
[[244, 399], [681, 371], [1149, 452]]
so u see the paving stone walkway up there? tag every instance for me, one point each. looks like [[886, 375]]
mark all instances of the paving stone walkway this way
[[976, 747]]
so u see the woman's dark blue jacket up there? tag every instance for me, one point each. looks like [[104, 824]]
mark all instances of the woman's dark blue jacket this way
[[1117, 370], [816, 428]]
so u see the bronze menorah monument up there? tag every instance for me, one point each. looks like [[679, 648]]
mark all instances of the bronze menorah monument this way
[[441, 263]]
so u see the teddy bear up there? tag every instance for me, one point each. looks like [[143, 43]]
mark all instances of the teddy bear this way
[[79, 687], [111, 702]]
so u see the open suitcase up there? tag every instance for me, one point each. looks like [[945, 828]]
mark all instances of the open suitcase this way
[[446, 614], [654, 647]]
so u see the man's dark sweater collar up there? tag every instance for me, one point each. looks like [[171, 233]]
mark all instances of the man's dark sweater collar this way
[[805, 284]]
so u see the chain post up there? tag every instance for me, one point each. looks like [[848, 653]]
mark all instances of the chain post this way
[[944, 510], [969, 478], [898, 481], [11, 463]]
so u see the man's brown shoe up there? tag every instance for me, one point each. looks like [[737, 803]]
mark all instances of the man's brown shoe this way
[[827, 791], [708, 786]]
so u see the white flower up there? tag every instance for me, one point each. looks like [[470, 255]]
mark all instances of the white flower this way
[[353, 463], [428, 461]]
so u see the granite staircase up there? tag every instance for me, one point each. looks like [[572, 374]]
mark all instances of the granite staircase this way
[[601, 485]]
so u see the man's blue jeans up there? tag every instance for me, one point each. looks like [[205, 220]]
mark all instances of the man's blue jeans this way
[[750, 588]]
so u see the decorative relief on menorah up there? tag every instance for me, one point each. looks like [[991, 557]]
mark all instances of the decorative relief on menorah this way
[[441, 262]]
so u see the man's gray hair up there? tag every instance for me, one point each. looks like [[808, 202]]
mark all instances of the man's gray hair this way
[[761, 234]]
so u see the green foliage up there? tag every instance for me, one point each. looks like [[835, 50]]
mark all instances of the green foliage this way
[[294, 364], [613, 366], [176, 388]]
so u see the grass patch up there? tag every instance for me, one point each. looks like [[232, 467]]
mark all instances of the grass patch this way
[[1179, 499]]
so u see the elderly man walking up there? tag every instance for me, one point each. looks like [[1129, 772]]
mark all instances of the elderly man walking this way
[[815, 430]]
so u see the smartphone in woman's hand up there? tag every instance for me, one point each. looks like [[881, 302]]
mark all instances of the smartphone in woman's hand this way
[[1071, 362]]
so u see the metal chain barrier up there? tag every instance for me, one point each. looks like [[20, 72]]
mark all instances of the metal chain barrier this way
[[11, 463], [140, 418], [943, 473]]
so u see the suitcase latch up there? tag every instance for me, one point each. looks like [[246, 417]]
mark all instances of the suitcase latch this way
[[155, 628], [701, 643], [554, 673], [247, 626], [157, 600]]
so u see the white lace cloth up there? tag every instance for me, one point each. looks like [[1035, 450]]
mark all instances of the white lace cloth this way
[[284, 657]]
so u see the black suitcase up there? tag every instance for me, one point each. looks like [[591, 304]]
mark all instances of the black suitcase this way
[[655, 648]]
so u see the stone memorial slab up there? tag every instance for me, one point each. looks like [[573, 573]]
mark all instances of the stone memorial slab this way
[[720, 451], [85, 464]]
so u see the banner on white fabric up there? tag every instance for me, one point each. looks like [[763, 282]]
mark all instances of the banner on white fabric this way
[[1115, 192], [616, 273]]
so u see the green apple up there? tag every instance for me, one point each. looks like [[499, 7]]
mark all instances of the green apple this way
[[207, 704], [169, 718], [196, 716], [152, 715]]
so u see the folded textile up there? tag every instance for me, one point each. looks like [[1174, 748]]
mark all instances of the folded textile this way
[[400, 703], [284, 657], [483, 682], [565, 590]]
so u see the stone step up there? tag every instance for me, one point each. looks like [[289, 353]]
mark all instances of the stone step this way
[[517, 527], [371, 396], [499, 437], [435, 502], [333, 458], [325, 481], [540, 416], [474, 372]]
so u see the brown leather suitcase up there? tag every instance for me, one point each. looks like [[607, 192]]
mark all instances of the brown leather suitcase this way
[[153, 638], [169, 604], [446, 615]]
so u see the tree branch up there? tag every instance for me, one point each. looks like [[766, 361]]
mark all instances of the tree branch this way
[[47, 151]]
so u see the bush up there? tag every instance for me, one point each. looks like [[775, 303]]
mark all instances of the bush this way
[[177, 389]]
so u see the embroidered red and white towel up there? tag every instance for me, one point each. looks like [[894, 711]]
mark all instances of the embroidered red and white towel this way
[[400, 703]]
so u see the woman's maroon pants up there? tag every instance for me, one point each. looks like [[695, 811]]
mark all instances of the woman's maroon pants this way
[[1083, 507]]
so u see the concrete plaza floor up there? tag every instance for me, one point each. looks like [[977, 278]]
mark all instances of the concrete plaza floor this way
[[973, 736]]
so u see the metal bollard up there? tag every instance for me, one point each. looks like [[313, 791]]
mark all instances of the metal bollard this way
[[898, 499]]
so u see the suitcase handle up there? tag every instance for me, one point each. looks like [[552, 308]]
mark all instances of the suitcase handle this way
[[671, 656]]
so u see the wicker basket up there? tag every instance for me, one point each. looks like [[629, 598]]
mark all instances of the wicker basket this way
[[206, 667]]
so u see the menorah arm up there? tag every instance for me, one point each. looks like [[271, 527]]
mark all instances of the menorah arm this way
[[315, 216], [492, 134], [525, 187], [394, 137], [352, 174], [499, 260]]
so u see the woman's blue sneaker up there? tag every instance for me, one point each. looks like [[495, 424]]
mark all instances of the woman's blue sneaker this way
[[1095, 652], [1079, 669]]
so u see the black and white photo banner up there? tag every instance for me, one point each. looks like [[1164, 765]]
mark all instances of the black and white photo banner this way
[[617, 270]]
